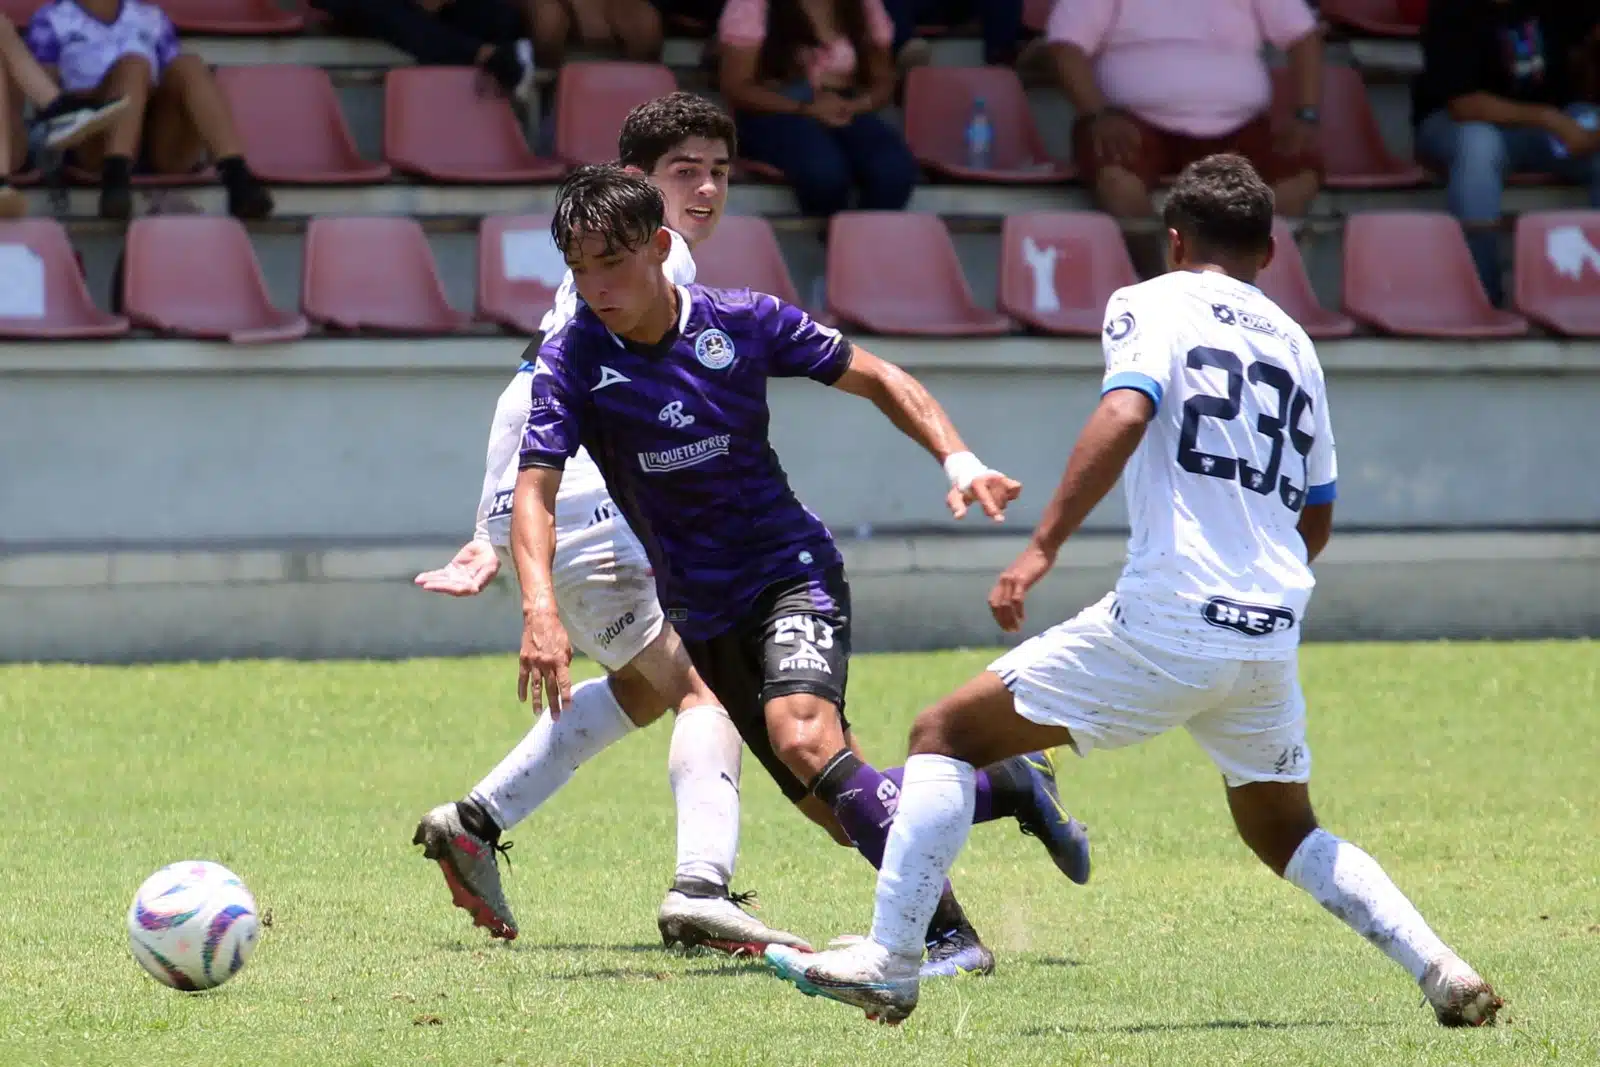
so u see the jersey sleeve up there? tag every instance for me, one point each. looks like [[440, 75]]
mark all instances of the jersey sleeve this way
[[1138, 354], [43, 41], [1322, 462], [554, 429], [679, 267], [801, 347], [505, 442], [167, 47]]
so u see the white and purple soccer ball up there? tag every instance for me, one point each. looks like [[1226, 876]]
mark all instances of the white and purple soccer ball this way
[[192, 925]]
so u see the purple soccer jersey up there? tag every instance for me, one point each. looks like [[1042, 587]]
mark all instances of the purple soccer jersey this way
[[679, 431]]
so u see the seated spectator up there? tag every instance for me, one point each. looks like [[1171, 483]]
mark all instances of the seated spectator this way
[[60, 119], [631, 28], [804, 79], [1158, 85], [490, 34], [1498, 95], [175, 113], [999, 23]]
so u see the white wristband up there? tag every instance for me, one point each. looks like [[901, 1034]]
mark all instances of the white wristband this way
[[961, 468]]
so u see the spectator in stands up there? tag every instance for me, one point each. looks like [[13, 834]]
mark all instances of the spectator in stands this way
[[175, 114], [489, 34], [1158, 84], [999, 23], [60, 120], [805, 79], [1499, 94], [630, 27]]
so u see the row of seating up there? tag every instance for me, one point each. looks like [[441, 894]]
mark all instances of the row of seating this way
[[439, 126], [1407, 274]]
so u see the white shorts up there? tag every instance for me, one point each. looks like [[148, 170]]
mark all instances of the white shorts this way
[[605, 590], [1111, 689]]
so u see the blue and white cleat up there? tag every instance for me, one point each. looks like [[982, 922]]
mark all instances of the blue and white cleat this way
[[865, 975], [1065, 838]]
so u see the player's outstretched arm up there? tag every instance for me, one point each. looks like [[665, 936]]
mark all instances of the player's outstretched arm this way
[[546, 652], [915, 413], [1109, 438]]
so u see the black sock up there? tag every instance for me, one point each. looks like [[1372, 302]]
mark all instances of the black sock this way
[[116, 170], [232, 170], [948, 918], [504, 65], [477, 821], [1010, 787]]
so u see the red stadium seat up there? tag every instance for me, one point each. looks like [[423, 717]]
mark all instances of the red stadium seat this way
[[1286, 284], [35, 255], [1058, 269], [437, 125], [592, 99], [1410, 273], [519, 271], [1036, 14], [1557, 271], [744, 254], [292, 128], [197, 276], [246, 17], [1353, 150], [374, 274], [896, 272], [1382, 18], [939, 101]]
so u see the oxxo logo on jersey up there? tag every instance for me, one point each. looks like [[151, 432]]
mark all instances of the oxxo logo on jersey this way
[[1252, 620]]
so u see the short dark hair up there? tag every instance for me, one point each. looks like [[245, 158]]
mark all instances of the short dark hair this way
[[606, 200], [1222, 205], [655, 128]]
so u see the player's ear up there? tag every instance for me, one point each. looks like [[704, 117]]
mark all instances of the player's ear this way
[[661, 244], [1175, 249], [1269, 255]]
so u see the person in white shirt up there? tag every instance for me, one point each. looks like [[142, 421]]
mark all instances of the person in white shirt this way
[[1214, 412], [606, 595]]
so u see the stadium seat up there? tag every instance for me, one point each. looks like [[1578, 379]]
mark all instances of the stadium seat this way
[[896, 272], [1036, 14], [292, 128], [744, 254], [197, 276], [437, 125], [1058, 269], [519, 271], [939, 101], [1557, 269], [1353, 150], [592, 99], [1285, 282], [42, 292], [1410, 273], [374, 274], [243, 17], [1381, 18]]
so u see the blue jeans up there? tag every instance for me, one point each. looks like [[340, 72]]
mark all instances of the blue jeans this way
[[824, 164], [1478, 156]]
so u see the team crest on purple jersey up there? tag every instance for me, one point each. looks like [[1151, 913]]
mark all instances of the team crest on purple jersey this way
[[714, 349]]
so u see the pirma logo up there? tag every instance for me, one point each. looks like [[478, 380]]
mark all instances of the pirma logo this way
[[805, 658]]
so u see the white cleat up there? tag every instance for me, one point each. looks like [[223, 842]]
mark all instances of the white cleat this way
[[716, 921], [865, 975], [1459, 995]]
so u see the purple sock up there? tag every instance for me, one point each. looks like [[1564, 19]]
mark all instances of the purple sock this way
[[984, 812]]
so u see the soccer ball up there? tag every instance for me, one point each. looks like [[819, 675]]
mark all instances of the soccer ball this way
[[192, 925]]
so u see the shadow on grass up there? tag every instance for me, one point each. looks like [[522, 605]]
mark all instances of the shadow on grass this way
[[644, 974], [1056, 961], [533, 946], [1174, 1028]]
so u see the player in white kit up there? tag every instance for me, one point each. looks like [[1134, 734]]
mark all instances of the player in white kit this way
[[607, 599], [1214, 413]]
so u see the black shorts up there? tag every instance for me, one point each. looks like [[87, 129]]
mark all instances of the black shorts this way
[[794, 639]]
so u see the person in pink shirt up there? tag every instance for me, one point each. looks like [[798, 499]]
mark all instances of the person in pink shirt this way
[[805, 79], [1159, 84]]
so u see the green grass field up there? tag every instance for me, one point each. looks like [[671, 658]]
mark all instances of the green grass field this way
[[1471, 771]]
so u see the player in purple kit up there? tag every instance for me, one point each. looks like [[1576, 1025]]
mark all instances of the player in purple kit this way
[[666, 388]]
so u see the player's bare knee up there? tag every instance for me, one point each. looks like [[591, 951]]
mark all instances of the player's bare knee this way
[[639, 700], [805, 731], [129, 77]]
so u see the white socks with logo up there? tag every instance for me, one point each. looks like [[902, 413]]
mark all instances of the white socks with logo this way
[[937, 798], [703, 765]]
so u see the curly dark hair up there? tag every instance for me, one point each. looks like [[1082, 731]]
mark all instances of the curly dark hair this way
[[789, 30], [605, 200], [1221, 205], [653, 129]]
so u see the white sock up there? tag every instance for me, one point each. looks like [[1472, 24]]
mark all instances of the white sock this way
[[937, 796], [1351, 885], [544, 760], [703, 764]]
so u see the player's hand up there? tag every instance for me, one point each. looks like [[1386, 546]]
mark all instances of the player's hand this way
[[1116, 138], [991, 491], [467, 574], [1579, 141], [1011, 588], [542, 676], [831, 109]]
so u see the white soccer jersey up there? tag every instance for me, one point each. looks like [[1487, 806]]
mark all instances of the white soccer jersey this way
[[1239, 444], [583, 497]]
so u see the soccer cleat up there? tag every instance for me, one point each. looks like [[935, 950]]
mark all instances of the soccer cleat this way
[[71, 119], [702, 914], [956, 953], [865, 975], [470, 868], [1065, 838], [1459, 996]]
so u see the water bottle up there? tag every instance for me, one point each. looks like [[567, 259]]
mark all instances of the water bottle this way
[[1586, 116], [980, 136]]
